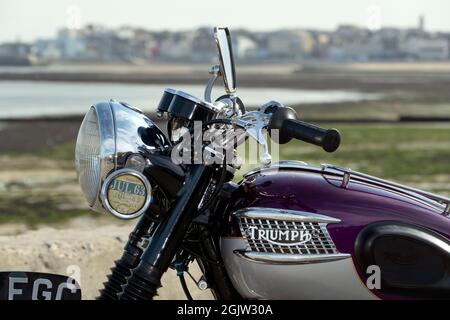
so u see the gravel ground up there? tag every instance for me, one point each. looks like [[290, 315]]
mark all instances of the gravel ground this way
[[90, 244]]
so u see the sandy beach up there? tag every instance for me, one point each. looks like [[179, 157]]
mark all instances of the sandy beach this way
[[90, 244]]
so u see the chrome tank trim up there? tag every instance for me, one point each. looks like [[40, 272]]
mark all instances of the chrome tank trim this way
[[283, 164], [281, 258], [283, 215], [439, 202], [280, 235]]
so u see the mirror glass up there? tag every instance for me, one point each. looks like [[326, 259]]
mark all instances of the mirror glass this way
[[223, 41]]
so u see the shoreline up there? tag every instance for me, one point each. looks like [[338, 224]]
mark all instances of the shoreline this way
[[364, 78], [413, 96]]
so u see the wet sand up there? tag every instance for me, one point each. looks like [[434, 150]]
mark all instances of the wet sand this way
[[422, 88], [371, 77], [34, 135], [37, 135]]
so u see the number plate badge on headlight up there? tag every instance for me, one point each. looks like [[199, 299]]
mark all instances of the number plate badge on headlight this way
[[126, 193]]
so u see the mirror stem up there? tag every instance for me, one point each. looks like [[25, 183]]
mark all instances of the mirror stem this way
[[215, 71]]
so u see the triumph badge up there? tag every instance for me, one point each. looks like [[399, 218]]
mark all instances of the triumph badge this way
[[126, 193], [280, 237]]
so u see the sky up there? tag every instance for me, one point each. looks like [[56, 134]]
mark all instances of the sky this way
[[27, 20]]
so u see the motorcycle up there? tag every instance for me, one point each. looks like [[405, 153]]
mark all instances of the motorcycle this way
[[286, 230]]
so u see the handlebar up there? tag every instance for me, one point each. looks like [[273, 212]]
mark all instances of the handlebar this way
[[285, 119], [328, 139]]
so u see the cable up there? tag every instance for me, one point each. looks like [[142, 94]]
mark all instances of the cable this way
[[224, 170], [202, 257], [220, 120], [185, 288], [217, 189]]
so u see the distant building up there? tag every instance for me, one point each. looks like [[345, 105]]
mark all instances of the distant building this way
[[351, 43], [421, 26], [99, 44], [244, 47], [14, 53], [426, 48], [46, 50], [70, 43], [285, 45], [176, 46], [202, 46], [136, 44]]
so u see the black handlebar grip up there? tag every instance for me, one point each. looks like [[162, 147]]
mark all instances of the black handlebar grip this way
[[328, 139]]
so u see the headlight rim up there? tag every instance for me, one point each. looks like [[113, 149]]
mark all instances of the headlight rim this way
[[107, 149]]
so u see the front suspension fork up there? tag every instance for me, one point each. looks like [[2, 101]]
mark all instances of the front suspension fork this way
[[129, 260], [155, 260]]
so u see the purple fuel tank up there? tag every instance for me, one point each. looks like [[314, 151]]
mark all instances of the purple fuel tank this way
[[355, 200]]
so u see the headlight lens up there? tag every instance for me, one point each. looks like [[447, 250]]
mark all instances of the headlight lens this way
[[87, 156]]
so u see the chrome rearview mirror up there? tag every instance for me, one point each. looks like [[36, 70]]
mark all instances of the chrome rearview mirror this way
[[223, 41]]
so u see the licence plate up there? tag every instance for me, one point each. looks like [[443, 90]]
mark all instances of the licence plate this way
[[37, 286]]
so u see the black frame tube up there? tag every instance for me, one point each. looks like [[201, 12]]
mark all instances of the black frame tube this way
[[169, 236]]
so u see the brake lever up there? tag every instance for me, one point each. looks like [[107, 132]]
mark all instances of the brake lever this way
[[254, 123]]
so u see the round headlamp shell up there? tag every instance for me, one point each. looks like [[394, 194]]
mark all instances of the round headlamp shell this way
[[126, 193]]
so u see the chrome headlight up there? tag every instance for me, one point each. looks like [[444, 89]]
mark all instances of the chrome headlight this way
[[109, 134]]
